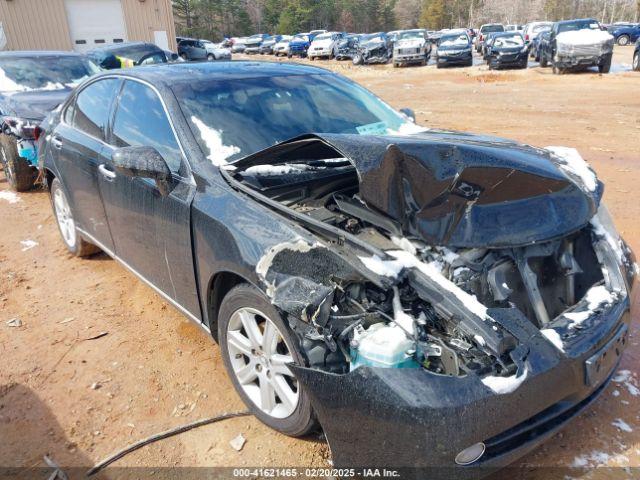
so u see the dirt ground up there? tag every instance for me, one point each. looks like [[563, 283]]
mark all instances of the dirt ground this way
[[79, 399]]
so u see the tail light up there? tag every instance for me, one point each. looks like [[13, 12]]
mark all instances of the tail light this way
[[481, 37], [526, 37]]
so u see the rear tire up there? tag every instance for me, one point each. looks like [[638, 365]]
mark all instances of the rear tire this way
[[211, 57], [636, 61], [19, 173], [543, 61], [246, 317], [72, 239]]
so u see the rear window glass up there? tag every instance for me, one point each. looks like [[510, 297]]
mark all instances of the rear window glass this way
[[492, 28], [20, 74]]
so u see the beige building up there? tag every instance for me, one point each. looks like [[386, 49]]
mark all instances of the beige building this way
[[85, 24]]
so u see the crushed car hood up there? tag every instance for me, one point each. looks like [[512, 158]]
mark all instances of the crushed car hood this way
[[33, 105], [460, 190]]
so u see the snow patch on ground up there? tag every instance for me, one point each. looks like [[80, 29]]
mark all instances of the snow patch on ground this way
[[553, 337], [625, 377], [218, 152], [592, 459], [622, 425], [572, 162], [28, 244], [504, 385], [9, 196]]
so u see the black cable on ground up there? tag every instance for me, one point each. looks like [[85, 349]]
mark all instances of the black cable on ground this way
[[160, 436]]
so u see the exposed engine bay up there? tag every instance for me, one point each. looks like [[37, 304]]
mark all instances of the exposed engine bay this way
[[437, 307]]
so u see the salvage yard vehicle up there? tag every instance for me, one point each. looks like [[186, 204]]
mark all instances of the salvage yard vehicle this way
[[534, 46], [484, 31], [626, 34], [410, 47], [299, 45], [373, 48], [347, 47], [371, 271], [577, 44], [636, 57], [238, 45], [253, 43], [507, 49], [533, 29], [31, 85], [128, 54], [198, 49], [454, 49], [324, 45], [267, 47], [282, 47]]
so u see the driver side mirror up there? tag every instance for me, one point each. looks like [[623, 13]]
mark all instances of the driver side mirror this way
[[144, 162], [409, 113]]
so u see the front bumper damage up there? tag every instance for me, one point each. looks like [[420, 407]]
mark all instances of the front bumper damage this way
[[417, 422], [516, 321], [579, 61], [446, 58]]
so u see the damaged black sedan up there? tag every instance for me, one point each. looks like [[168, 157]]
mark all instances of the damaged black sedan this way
[[431, 299]]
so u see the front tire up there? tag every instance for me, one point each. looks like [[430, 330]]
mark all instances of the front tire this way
[[72, 239], [256, 346], [623, 40], [636, 61], [605, 66], [19, 173], [211, 57]]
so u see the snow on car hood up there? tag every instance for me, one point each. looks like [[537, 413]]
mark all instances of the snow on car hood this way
[[462, 190], [583, 37]]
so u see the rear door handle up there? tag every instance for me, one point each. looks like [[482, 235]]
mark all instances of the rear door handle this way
[[106, 173], [56, 141]]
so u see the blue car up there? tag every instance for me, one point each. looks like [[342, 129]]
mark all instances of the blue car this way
[[299, 45], [626, 34]]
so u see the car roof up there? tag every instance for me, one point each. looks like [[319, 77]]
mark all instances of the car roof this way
[[576, 20], [118, 46], [40, 53], [174, 73]]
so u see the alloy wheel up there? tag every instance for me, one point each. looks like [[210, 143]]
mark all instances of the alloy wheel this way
[[259, 355], [65, 218]]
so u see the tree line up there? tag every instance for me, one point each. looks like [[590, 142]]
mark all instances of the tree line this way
[[215, 19]]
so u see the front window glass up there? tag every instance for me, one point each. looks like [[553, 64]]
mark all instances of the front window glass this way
[[141, 121], [92, 107], [412, 34], [492, 28], [232, 119], [21, 74], [454, 41]]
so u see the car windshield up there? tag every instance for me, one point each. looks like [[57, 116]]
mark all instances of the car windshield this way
[[461, 40], [324, 36], [573, 26], [300, 38], [540, 28], [509, 41], [413, 34], [19, 74], [229, 117], [372, 38], [492, 28]]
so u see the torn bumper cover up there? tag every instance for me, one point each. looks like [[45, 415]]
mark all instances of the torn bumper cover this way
[[418, 422]]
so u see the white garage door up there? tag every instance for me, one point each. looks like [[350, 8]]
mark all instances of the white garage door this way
[[93, 23]]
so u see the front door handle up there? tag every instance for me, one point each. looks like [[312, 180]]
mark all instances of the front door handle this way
[[56, 141], [106, 173]]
